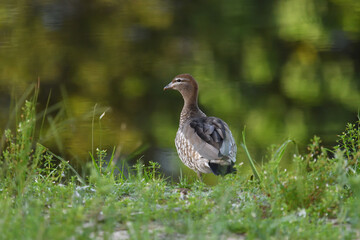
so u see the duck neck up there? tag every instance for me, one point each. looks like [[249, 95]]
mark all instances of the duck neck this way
[[190, 109]]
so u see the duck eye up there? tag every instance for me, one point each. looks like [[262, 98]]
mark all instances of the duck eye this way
[[178, 80]]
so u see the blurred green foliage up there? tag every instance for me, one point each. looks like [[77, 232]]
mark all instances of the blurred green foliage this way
[[286, 68]]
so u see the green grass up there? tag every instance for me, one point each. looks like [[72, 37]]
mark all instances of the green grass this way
[[43, 197]]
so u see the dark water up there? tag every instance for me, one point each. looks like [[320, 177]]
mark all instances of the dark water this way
[[285, 69]]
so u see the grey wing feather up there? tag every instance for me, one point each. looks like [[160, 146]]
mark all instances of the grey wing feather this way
[[205, 150], [228, 147], [208, 129], [211, 137]]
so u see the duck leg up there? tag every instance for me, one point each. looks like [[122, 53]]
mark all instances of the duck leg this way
[[199, 176]]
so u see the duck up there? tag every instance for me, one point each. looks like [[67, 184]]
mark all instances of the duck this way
[[204, 144]]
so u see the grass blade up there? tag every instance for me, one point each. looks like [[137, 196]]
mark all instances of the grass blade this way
[[256, 174], [45, 112], [94, 163], [280, 151], [109, 167], [92, 130]]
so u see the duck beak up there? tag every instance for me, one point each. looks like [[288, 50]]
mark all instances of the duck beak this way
[[169, 86]]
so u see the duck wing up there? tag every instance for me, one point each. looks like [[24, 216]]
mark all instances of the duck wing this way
[[211, 138]]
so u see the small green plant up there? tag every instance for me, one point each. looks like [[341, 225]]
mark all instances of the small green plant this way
[[19, 158], [184, 181], [349, 143], [102, 167], [51, 169], [147, 173], [24, 160]]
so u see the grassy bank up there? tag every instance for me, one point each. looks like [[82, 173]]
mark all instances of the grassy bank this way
[[43, 197]]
